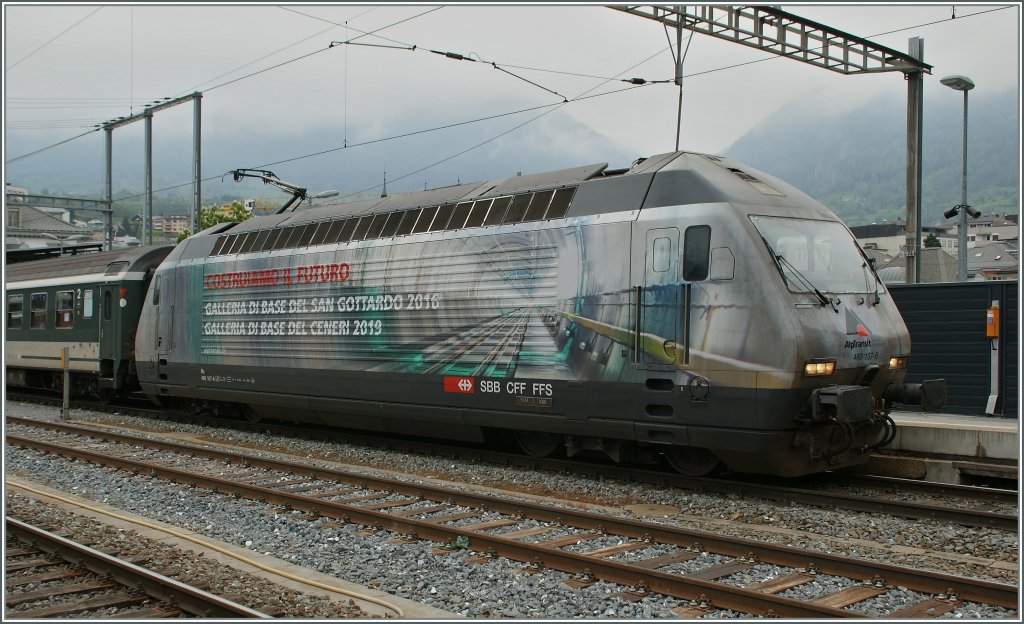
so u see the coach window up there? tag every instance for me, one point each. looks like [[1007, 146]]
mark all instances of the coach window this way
[[87, 303], [14, 308], [38, 311], [696, 253], [65, 301]]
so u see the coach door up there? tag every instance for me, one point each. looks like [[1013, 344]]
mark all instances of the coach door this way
[[659, 298], [110, 329], [162, 293]]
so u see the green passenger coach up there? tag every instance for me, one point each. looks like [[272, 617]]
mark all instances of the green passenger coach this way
[[90, 305]]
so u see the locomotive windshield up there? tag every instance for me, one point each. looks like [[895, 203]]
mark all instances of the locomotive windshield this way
[[811, 255]]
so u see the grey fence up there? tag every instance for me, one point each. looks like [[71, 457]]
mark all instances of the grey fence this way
[[947, 325]]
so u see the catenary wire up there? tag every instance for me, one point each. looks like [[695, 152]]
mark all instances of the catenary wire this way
[[701, 73], [54, 38]]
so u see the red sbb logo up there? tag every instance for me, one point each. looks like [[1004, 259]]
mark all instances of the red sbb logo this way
[[459, 385]]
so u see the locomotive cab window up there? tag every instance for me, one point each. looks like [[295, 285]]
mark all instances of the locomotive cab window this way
[[37, 312], [15, 305], [812, 254], [65, 308], [696, 253]]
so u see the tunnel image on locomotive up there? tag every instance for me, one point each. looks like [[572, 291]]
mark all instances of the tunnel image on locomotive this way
[[686, 307]]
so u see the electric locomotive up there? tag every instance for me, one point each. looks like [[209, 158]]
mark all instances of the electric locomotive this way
[[686, 307]]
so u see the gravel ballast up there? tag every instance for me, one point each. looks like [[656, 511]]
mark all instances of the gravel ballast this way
[[503, 588]]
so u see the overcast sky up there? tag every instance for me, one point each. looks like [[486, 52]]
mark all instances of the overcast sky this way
[[71, 66]]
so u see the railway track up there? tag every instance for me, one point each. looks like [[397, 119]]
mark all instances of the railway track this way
[[975, 506], [51, 576], [646, 557]]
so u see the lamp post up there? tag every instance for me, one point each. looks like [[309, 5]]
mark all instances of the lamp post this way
[[965, 84]]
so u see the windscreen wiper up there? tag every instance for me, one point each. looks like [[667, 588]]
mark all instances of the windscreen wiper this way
[[801, 278]]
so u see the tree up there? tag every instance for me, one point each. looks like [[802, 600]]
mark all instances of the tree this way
[[210, 217], [932, 241]]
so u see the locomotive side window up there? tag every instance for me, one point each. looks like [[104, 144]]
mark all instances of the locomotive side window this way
[[236, 244], [423, 224], [260, 241], [333, 233], [321, 233], [156, 298], [376, 226], [518, 208], [391, 226], [218, 245], [361, 227], [295, 236], [444, 215], [497, 212], [347, 230], [307, 234], [476, 217], [65, 304], [108, 305], [15, 305], [282, 239], [460, 215], [271, 241], [696, 253], [560, 203], [250, 242], [538, 206], [408, 221], [37, 311]]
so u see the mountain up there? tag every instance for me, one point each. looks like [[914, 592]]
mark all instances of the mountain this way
[[855, 163], [462, 154]]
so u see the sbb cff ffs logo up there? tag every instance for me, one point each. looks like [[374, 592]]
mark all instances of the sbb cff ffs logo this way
[[459, 385]]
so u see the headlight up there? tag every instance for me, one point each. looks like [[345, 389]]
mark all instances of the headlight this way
[[819, 368], [898, 362]]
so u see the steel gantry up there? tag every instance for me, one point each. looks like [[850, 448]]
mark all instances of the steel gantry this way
[[147, 114], [786, 35]]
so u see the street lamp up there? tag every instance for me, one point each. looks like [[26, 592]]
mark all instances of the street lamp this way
[[965, 84]]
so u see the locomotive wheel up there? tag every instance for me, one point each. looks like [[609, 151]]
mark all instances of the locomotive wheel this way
[[692, 461], [538, 444]]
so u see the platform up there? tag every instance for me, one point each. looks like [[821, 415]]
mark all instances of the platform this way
[[951, 448]]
